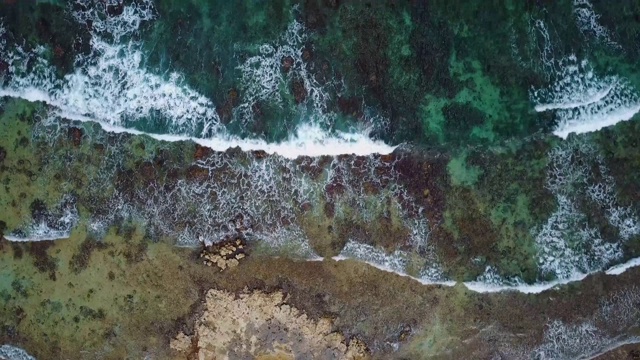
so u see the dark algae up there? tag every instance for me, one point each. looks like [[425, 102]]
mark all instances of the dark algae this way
[[319, 179]]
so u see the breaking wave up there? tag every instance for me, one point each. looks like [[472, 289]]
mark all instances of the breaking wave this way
[[396, 262], [265, 199], [569, 247], [584, 102], [111, 86], [48, 225], [581, 99], [235, 193]]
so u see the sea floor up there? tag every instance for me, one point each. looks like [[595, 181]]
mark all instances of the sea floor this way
[[319, 179], [132, 301]]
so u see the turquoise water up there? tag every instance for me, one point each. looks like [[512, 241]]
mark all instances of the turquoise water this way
[[431, 74], [491, 145], [506, 81]]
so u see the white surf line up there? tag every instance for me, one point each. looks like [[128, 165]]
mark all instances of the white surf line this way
[[582, 101], [42, 232], [37, 238], [482, 287], [388, 269], [309, 140], [620, 268], [540, 287], [595, 122], [575, 104]]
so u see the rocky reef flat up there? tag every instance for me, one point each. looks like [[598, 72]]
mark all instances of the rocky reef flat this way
[[119, 283], [319, 179]]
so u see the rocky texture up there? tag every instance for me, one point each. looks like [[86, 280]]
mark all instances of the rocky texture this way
[[115, 308], [459, 71], [263, 326], [226, 254], [478, 207]]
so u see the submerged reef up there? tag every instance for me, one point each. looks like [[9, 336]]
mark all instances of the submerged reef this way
[[125, 201], [319, 179], [435, 216], [424, 73]]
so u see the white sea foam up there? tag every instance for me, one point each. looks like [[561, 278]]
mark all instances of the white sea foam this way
[[307, 140], [263, 78], [483, 286], [595, 117], [588, 23], [489, 282], [51, 227], [389, 263], [233, 193], [399, 273], [613, 324], [569, 248], [495, 283], [578, 341], [567, 244], [110, 83], [606, 329], [111, 86], [39, 232], [395, 262], [92, 94], [3, 31], [95, 14], [582, 101], [620, 268], [538, 28], [11, 352]]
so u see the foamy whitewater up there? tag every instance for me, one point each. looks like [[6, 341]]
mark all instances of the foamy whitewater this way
[[582, 100], [11, 352], [490, 282], [569, 249], [54, 225], [110, 86]]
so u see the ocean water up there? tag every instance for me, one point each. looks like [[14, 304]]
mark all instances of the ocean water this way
[[294, 86]]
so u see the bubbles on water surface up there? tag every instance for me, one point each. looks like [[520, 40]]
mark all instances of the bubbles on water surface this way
[[49, 225], [567, 243]]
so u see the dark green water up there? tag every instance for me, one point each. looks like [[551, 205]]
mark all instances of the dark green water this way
[[427, 73], [488, 144], [469, 88]]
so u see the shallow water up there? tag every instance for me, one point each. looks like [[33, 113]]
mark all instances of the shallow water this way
[[489, 145]]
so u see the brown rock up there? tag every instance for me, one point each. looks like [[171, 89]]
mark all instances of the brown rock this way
[[75, 135], [287, 63], [299, 91], [202, 152], [249, 324]]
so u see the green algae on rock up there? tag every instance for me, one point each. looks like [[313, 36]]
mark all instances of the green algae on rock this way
[[480, 191]]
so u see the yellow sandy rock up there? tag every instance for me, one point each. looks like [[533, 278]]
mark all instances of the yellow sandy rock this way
[[262, 326]]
